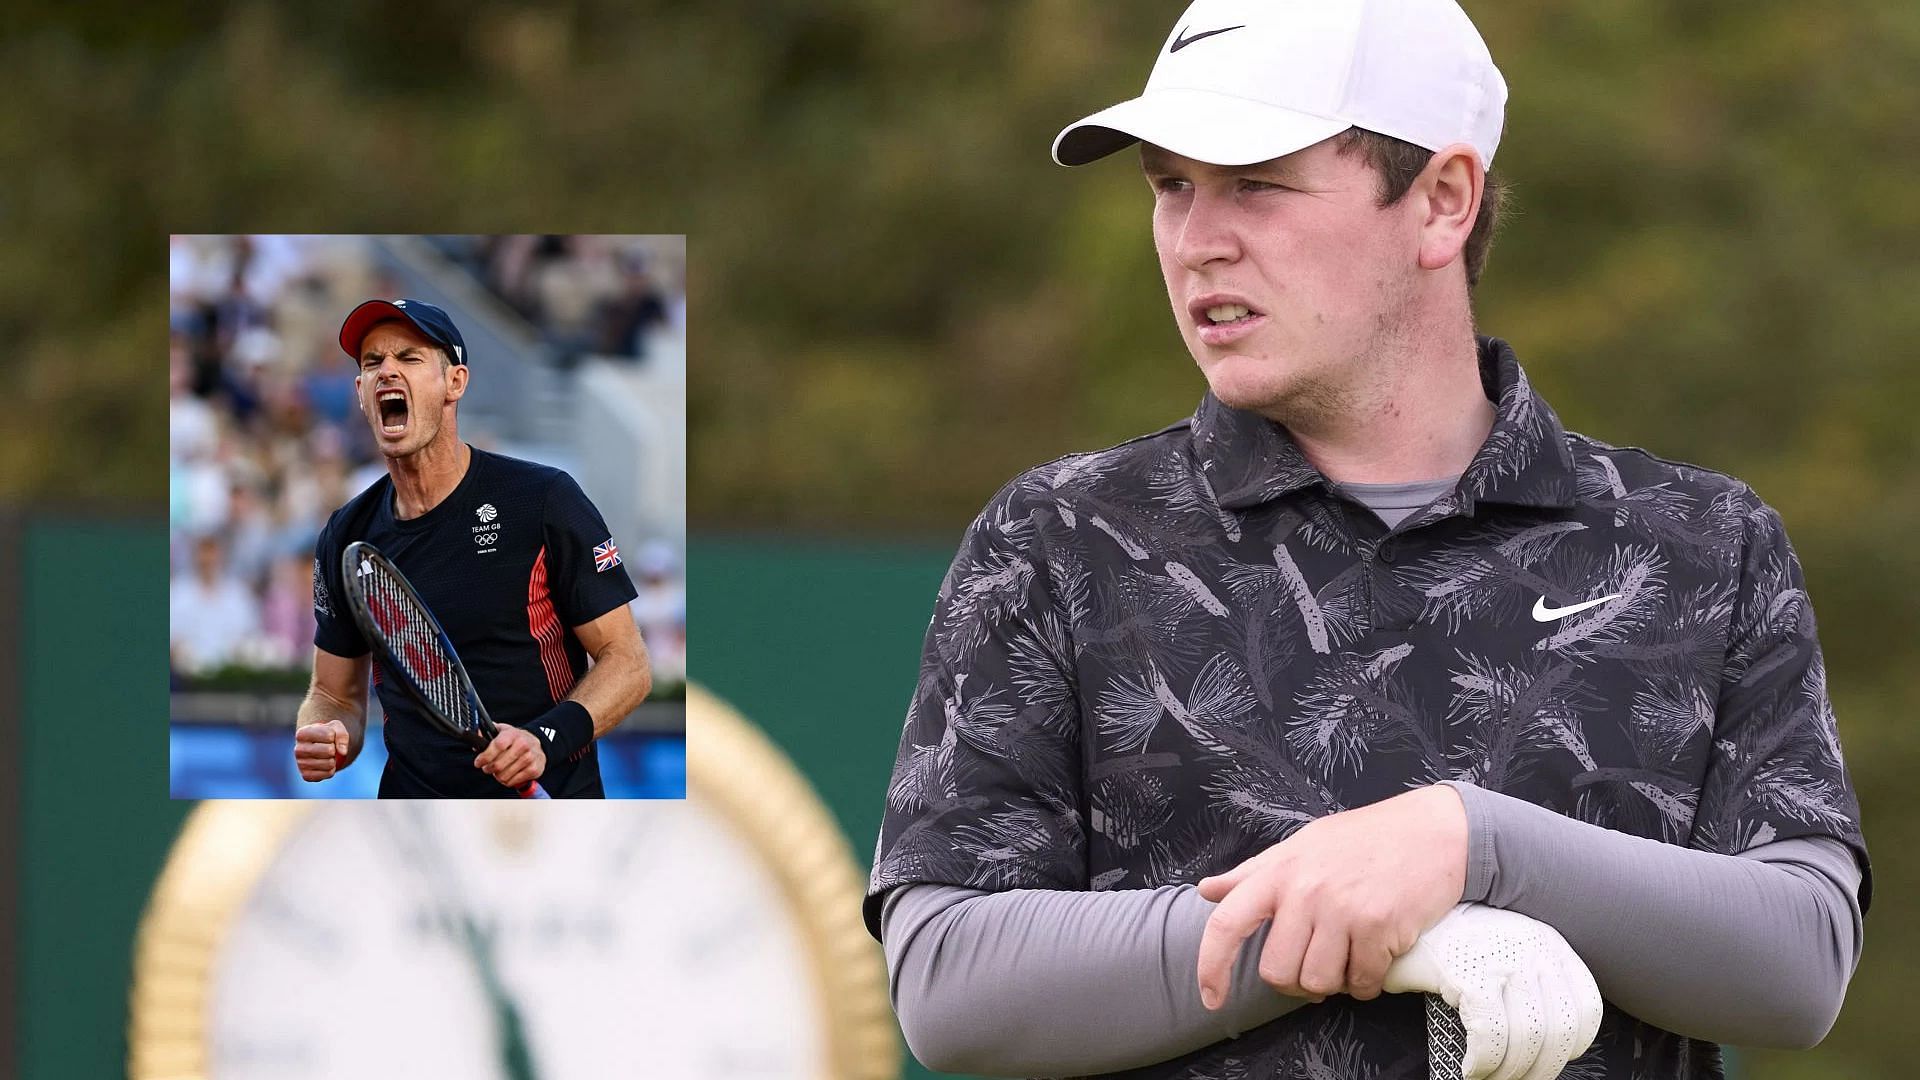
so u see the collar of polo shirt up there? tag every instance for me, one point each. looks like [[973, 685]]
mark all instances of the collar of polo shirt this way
[[1251, 460]]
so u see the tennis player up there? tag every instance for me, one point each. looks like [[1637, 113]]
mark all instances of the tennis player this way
[[512, 559], [1213, 725]]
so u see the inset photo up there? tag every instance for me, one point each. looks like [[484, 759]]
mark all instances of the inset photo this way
[[427, 519]]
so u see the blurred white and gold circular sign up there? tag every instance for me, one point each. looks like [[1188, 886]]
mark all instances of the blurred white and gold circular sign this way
[[719, 937]]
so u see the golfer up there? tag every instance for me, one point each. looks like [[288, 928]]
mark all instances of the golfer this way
[[1212, 726]]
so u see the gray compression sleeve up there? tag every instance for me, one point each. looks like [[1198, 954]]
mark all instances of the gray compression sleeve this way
[[1033, 982], [1754, 949]]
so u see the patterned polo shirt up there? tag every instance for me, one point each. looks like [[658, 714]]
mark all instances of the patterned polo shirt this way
[[1152, 662]]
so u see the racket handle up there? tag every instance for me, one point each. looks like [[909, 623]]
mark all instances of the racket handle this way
[[533, 790], [1446, 1039]]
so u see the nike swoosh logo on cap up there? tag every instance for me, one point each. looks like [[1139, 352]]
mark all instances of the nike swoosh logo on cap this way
[[1181, 41], [1543, 613]]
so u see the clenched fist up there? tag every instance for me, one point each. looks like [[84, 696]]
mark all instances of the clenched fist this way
[[320, 750]]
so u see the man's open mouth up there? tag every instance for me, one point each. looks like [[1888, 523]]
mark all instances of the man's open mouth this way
[[393, 411]]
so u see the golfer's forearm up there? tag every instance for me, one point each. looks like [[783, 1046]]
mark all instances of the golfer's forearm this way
[[1753, 949], [1036, 982]]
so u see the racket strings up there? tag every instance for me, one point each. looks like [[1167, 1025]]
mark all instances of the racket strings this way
[[417, 648]]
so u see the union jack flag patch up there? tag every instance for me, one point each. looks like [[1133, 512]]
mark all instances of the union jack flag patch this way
[[606, 556]]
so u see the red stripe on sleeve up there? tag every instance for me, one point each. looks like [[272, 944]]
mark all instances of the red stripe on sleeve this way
[[546, 629]]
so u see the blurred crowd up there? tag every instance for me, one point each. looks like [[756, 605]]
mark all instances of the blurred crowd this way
[[265, 442], [604, 295], [262, 443]]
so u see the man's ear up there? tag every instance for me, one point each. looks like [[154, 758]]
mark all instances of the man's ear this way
[[1449, 189]]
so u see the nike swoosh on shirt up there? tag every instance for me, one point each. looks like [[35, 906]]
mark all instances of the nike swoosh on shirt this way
[[1543, 613], [1181, 41]]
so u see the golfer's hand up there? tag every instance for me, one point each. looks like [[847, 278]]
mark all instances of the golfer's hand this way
[[1528, 1003], [320, 750], [514, 757], [1346, 894]]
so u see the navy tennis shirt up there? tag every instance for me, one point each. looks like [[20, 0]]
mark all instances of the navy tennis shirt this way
[[509, 563], [1151, 663]]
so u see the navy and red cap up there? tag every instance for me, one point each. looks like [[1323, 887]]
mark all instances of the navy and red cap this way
[[432, 323]]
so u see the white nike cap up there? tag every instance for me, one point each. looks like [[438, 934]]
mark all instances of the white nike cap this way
[[1245, 81]]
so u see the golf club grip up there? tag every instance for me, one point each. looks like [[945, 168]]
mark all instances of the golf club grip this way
[[1446, 1039]]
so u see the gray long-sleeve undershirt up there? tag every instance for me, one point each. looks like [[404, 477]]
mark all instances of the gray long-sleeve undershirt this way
[[1394, 503], [1753, 949]]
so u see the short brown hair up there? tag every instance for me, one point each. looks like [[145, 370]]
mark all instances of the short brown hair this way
[[1399, 163]]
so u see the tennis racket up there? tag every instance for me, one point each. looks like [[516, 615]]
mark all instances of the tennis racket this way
[[1446, 1039], [413, 650]]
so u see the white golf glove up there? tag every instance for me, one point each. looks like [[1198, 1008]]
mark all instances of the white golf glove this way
[[1528, 1003]]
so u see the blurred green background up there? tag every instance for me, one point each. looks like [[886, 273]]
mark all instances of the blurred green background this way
[[898, 302]]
